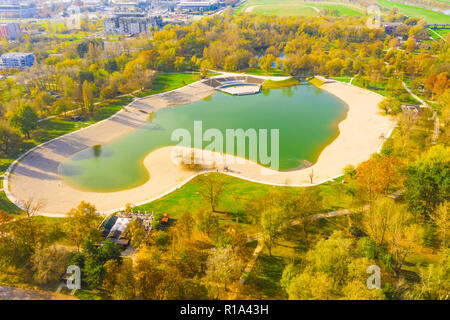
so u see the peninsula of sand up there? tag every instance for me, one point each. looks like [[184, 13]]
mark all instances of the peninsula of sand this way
[[34, 176]]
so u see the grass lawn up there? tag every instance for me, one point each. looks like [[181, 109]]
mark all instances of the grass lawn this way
[[438, 34], [236, 195], [380, 88], [5, 204], [411, 11], [267, 272], [282, 10], [342, 79], [170, 81], [316, 82], [343, 9], [297, 8], [270, 84]]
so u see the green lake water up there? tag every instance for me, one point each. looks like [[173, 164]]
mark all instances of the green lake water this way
[[307, 119]]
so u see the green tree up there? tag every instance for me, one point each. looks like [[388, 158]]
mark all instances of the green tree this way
[[136, 232], [9, 140], [88, 97], [81, 221], [25, 120], [390, 105], [428, 180], [211, 187]]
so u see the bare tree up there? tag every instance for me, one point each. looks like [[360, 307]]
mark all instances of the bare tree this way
[[311, 176], [211, 187], [31, 207]]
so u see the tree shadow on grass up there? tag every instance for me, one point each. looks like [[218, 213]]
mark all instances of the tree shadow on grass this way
[[266, 276]]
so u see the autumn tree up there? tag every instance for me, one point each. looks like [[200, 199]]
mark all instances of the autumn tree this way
[[441, 217], [223, 268], [49, 264], [88, 97], [9, 140], [81, 221], [434, 279], [266, 62], [135, 232], [390, 105], [377, 175]]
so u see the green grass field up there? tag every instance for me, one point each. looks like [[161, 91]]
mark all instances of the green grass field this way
[[236, 194], [438, 34], [270, 84], [297, 8], [380, 88], [411, 11], [280, 10], [170, 81], [342, 79]]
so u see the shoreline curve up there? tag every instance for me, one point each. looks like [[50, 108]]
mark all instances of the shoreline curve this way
[[34, 174]]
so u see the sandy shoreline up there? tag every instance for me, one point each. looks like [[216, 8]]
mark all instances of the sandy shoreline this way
[[35, 175]]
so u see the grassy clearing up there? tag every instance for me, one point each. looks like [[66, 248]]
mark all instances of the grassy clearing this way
[[439, 34], [5, 204], [297, 8], [281, 10], [169, 81], [380, 88], [411, 11], [270, 84], [236, 195], [343, 9], [266, 274], [342, 79]]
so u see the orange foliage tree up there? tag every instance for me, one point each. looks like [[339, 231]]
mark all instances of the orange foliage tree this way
[[375, 176]]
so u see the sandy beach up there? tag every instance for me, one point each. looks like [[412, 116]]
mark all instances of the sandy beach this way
[[35, 176]]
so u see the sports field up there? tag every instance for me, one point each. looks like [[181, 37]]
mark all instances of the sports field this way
[[411, 11], [439, 33], [298, 8]]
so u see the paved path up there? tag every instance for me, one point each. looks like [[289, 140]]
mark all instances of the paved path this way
[[435, 116], [438, 35], [424, 104], [436, 128], [13, 293]]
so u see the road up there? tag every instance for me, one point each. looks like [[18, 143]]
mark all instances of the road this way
[[13, 293]]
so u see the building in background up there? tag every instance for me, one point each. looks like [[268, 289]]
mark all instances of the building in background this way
[[130, 23], [17, 60], [10, 31], [17, 10], [199, 6]]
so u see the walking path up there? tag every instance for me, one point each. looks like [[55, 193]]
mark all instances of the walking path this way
[[423, 103], [435, 116], [13, 293]]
